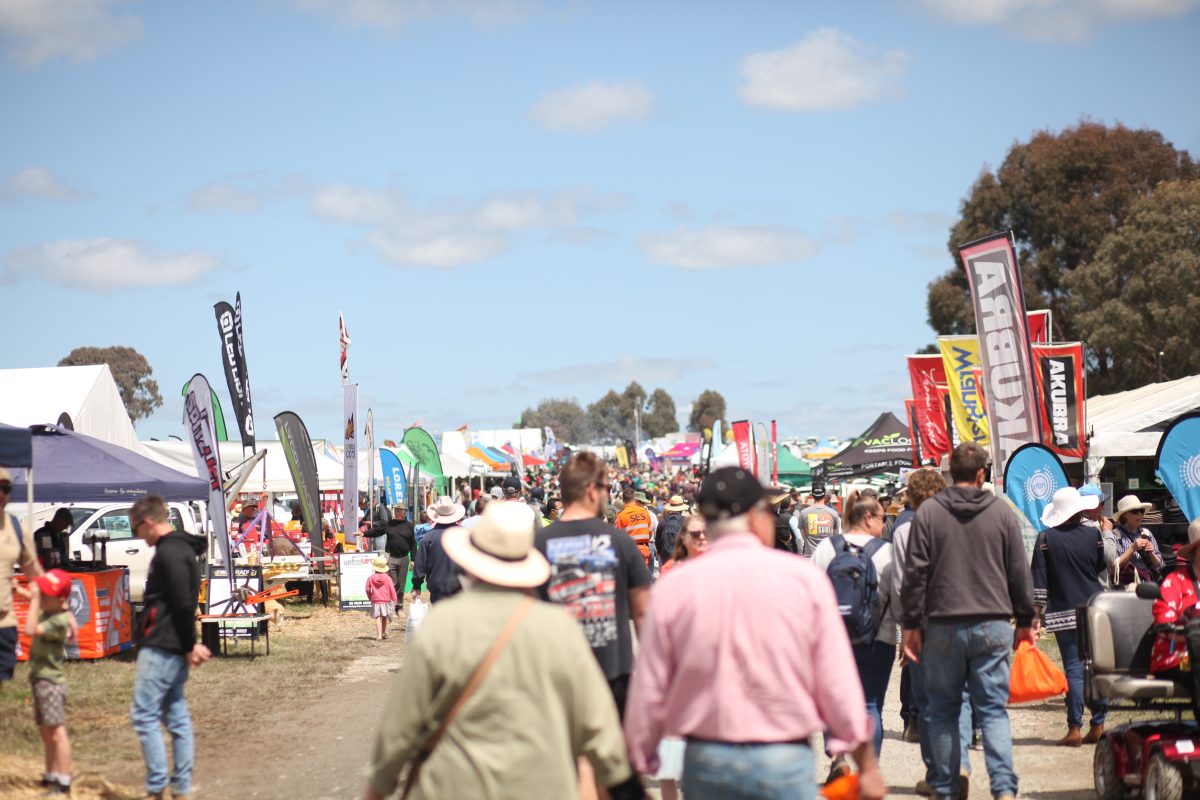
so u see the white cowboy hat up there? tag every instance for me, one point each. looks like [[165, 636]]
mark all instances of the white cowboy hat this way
[[1185, 552], [446, 512], [499, 550], [1067, 503], [1130, 502], [676, 504]]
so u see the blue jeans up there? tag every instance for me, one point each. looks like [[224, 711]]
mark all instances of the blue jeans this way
[[158, 696], [976, 656], [874, 661], [1068, 647], [719, 771], [920, 701]]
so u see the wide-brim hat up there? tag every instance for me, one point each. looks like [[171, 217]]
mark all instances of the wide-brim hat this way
[[446, 512], [676, 504], [1193, 541], [1130, 502], [641, 497], [1067, 502], [499, 550], [380, 564]]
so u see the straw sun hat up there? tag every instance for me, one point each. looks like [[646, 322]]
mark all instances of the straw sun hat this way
[[379, 564], [499, 550], [446, 512], [1130, 502], [1067, 502]]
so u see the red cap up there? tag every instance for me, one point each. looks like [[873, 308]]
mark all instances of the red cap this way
[[55, 583]]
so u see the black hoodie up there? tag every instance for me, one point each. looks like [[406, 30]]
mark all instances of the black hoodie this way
[[965, 562], [172, 588]]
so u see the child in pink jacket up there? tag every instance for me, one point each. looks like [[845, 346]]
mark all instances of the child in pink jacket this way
[[382, 595]]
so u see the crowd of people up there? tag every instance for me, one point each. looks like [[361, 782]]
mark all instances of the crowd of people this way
[[681, 657]]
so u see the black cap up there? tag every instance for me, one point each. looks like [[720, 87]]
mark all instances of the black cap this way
[[728, 492], [512, 486], [818, 491]]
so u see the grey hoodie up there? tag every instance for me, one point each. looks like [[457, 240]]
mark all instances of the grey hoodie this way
[[965, 562]]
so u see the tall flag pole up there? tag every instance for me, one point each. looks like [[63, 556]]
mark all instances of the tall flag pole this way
[[237, 377], [344, 339]]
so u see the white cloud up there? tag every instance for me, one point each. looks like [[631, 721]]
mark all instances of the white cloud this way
[[591, 107], [445, 251], [825, 70], [76, 30], [40, 183], [647, 371], [1054, 20], [393, 16], [223, 196], [456, 233], [106, 264], [717, 247]]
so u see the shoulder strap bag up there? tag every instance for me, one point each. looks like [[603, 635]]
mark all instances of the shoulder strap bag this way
[[477, 677]]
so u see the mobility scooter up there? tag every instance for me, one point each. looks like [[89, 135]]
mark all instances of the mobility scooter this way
[[1161, 758]]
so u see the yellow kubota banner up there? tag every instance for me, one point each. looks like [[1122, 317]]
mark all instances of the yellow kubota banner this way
[[960, 356]]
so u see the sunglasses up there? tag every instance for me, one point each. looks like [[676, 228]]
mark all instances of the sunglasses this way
[[696, 534], [605, 486], [6, 488]]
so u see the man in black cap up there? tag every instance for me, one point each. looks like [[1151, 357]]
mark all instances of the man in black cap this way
[[817, 522], [514, 493], [729, 665]]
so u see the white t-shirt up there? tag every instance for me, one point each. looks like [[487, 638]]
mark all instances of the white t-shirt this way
[[885, 571]]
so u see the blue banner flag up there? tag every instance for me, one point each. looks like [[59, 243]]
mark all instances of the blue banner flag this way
[[1177, 462], [394, 482], [1031, 477]]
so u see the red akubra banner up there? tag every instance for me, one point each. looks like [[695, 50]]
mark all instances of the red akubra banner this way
[[948, 415], [995, 281], [910, 413], [1040, 329], [743, 441], [927, 372], [1061, 407]]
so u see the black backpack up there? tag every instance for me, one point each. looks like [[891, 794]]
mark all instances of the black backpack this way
[[856, 586], [668, 532]]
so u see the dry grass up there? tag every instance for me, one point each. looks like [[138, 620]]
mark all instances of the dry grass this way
[[236, 697]]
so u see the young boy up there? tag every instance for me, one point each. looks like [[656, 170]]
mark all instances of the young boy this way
[[49, 626]]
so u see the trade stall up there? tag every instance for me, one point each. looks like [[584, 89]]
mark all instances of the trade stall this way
[[885, 446], [66, 466]]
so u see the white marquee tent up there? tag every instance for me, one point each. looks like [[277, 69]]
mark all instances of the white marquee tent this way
[[272, 475], [88, 395], [1132, 423]]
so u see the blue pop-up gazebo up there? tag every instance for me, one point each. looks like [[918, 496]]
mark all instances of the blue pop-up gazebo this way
[[70, 467]]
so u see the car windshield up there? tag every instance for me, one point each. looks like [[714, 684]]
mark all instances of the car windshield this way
[[79, 515]]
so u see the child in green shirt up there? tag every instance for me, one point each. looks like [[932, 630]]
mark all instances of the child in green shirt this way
[[49, 626]]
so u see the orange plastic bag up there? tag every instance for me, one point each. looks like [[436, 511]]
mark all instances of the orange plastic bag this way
[[1034, 676], [843, 788]]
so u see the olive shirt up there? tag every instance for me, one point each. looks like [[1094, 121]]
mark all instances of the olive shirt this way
[[542, 704], [12, 553], [48, 650]]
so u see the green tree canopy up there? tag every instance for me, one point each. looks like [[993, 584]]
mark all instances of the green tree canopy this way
[[1140, 294], [1061, 195], [565, 417], [130, 370], [708, 408], [611, 417], [661, 419]]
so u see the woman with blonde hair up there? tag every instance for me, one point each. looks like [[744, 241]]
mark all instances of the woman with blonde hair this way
[[690, 543]]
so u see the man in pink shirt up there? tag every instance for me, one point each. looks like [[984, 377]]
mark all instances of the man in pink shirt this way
[[728, 664]]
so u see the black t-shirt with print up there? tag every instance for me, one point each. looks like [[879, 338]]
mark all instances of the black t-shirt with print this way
[[592, 568]]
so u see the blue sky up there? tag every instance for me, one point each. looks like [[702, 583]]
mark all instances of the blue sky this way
[[516, 200]]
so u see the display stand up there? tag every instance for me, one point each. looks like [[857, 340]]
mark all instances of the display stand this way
[[99, 601]]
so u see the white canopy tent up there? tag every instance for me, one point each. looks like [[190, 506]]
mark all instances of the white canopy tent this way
[[1131, 423], [272, 475], [88, 395]]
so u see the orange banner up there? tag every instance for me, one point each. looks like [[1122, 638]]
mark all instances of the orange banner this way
[[100, 603]]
